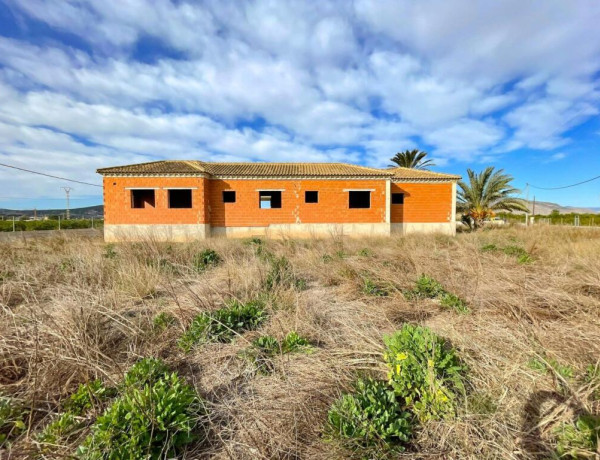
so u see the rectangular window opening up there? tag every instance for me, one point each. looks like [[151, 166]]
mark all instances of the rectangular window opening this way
[[229, 196], [359, 199], [142, 198], [397, 198], [311, 197], [179, 199], [269, 199]]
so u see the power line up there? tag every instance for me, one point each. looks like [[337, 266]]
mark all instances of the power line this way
[[50, 175], [566, 186]]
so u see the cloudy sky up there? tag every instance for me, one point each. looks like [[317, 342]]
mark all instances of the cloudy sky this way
[[87, 84]]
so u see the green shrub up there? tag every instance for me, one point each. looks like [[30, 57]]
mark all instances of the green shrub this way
[[489, 248], [428, 288], [266, 347], [373, 416], [579, 439], [365, 252], [372, 288], [156, 414], [145, 372], [88, 396], [162, 321], [12, 419], [424, 371], [449, 300], [293, 342], [524, 259], [109, 251], [539, 365], [205, 259], [514, 251], [59, 429], [326, 258], [222, 325]]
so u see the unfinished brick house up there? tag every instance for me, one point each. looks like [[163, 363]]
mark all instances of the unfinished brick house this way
[[186, 200]]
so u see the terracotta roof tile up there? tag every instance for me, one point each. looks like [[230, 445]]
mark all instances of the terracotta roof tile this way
[[271, 170], [409, 173]]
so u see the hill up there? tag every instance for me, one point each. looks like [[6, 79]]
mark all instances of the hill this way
[[544, 208], [89, 211]]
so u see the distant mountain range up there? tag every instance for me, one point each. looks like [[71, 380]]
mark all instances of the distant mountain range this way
[[90, 211], [544, 208]]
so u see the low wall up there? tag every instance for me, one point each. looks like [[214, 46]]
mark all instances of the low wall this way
[[191, 232]]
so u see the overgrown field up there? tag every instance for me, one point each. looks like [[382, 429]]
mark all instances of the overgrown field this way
[[486, 345]]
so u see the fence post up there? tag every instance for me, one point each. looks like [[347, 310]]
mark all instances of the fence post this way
[[13, 223], [92, 221], [59, 221]]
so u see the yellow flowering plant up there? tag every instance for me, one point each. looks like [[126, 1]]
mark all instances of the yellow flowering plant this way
[[424, 372]]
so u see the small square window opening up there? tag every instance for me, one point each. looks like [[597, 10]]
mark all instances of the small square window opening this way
[[229, 196], [311, 197], [397, 198], [359, 199], [142, 198], [269, 199], [179, 199]]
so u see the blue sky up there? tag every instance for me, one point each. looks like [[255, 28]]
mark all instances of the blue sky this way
[[88, 84]]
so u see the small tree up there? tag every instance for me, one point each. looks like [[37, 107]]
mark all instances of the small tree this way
[[487, 192], [414, 159]]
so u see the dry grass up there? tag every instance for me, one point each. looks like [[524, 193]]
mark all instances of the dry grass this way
[[76, 309]]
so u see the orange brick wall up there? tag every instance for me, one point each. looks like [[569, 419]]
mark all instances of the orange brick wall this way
[[423, 202], [117, 201], [331, 208]]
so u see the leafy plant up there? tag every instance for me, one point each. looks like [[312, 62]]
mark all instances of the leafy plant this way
[[88, 396], [222, 325], [489, 248], [539, 365], [454, 302], [365, 252], [155, 416], [12, 419], [266, 347], [145, 372], [293, 342], [205, 259], [109, 251], [424, 372], [428, 288], [411, 159], [163, 321], [61, 428], [372, 288], [592, 376], [580, 439], [372, 416], [280, 273]]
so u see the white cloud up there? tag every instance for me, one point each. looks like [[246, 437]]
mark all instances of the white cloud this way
[[285, 80]]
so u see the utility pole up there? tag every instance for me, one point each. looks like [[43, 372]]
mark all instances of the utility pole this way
[[34, 213], [533, 210], [67, 191]]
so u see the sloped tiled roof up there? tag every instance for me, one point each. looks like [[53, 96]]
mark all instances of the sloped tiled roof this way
[[156, 167], [409, 173], [192, 167]]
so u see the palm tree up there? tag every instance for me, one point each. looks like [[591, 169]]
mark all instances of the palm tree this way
[[414, 159], [487, 192]]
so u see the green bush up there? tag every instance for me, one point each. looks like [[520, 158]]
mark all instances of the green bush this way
[[580, 439], [155, 415], [489, 248], [205, 259], [373, 416], [449, 300], [266, 347], [372, 288], [428, 288], [293, 342], [12, 419], [365, 252], [88, 396], [424, 371], [59, 429], [162, 321], [222, 325], [109, 251]]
